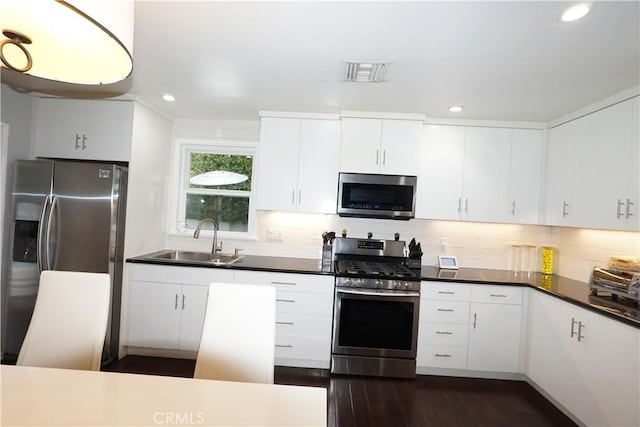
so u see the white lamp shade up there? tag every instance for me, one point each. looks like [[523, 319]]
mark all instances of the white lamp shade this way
[[79, 42]]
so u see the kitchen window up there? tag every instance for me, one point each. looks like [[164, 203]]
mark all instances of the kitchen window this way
[[217, 182]]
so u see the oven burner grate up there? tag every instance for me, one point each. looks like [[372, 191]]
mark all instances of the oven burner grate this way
[[371, 268]]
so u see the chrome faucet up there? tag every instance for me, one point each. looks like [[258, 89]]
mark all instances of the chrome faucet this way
[[214, 248]]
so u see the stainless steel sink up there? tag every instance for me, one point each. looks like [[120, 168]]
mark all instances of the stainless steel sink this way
[[201, 257]]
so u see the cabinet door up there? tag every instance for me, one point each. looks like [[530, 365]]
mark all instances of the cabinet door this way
[[441, 172], [525, 176], [602, 148], [154, 315], [494, 337], [193, 306], [632, 205], [83, 129], [360, 145], [486, 174], [318, 166], [559, 206], [400, 144], [278, 167]]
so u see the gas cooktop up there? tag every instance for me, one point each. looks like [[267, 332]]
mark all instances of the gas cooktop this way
[[378, 269]]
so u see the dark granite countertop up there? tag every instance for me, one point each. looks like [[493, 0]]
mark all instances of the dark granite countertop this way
[[572, 291]]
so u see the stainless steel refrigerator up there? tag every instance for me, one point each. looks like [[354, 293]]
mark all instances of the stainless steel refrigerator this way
[[68, 216]]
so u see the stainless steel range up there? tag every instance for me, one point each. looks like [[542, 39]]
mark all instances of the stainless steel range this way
[[377, 301]]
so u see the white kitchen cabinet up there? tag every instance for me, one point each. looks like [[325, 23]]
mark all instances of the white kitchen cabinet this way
[[586, 362], [298, 168], [469, 326], [441, 172], [304, 316], [380, 146], [166, 305], [485, 190], [83, 129], [474, 174], [525, 176], [592, 170], [494, 328]]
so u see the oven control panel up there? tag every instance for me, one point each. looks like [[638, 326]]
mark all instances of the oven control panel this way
[[368, 283]]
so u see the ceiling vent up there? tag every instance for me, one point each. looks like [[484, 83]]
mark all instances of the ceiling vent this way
[[371, 71]]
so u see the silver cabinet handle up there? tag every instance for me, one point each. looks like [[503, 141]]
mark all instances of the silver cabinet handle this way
[[284, 345], [444, 333], [628, 210], [442, 355], [459, 204], [384, 157], [619, 210], [285, 323], [283, 283], [498, 295], [77, 141], [475, 320], [446, 293], [580, 327], [565, 211], [299, 196], [573, 324], [175, 305], [377, 156], [466, 205], [446, 309], [183, 301], [293, 196], [513, 208], [84, 142], [285, 300]]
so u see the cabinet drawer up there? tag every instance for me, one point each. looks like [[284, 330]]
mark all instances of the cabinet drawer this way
[[304, 303], [440, 356], [178, 275], [314, 283], [302, 347], [443, 334], [445, 291], [444, 311], [300, 324], [497, 294]]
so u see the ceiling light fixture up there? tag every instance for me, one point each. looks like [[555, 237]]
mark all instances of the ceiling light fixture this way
[[575, 12], [169, 98], [76, 42], [365, 71], [456, 108]]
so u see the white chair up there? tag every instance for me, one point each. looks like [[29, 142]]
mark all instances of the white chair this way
[[238, 337], [69, 321]]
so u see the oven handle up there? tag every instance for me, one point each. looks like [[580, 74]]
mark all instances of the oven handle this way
[[378, 294]]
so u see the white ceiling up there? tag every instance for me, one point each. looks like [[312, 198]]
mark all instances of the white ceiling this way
[[501, 60]]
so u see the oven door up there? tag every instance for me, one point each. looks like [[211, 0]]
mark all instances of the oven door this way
[[378, 323]]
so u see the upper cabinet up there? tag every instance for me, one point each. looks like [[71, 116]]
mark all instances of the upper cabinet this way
[[298, 169], [380, 146], [479, 174], [83, 129], [592, 170]]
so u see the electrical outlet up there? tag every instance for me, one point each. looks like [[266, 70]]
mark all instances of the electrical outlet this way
[[443, 245], [274, 234]]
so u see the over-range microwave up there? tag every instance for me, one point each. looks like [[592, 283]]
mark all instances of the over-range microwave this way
[[376, 196]]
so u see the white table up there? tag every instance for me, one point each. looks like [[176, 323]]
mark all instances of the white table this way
[[44, 396]]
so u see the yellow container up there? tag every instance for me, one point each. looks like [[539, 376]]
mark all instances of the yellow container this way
[[547, 260]]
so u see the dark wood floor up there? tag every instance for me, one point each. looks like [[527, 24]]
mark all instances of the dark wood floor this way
[[425, 401]]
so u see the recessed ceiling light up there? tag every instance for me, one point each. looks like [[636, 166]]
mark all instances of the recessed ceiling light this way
[[456, 108], [168, 98], [365, 71], [575, 12]]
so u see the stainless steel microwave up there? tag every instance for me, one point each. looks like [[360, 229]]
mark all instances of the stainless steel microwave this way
[[376, 196]]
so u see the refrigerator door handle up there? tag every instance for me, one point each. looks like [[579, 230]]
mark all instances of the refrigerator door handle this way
[[40, 237], [54, 204]]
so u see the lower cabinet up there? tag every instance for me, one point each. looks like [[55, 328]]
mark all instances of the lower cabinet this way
[[166, 305], [468, 326], [586, 362], [304, 309]]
